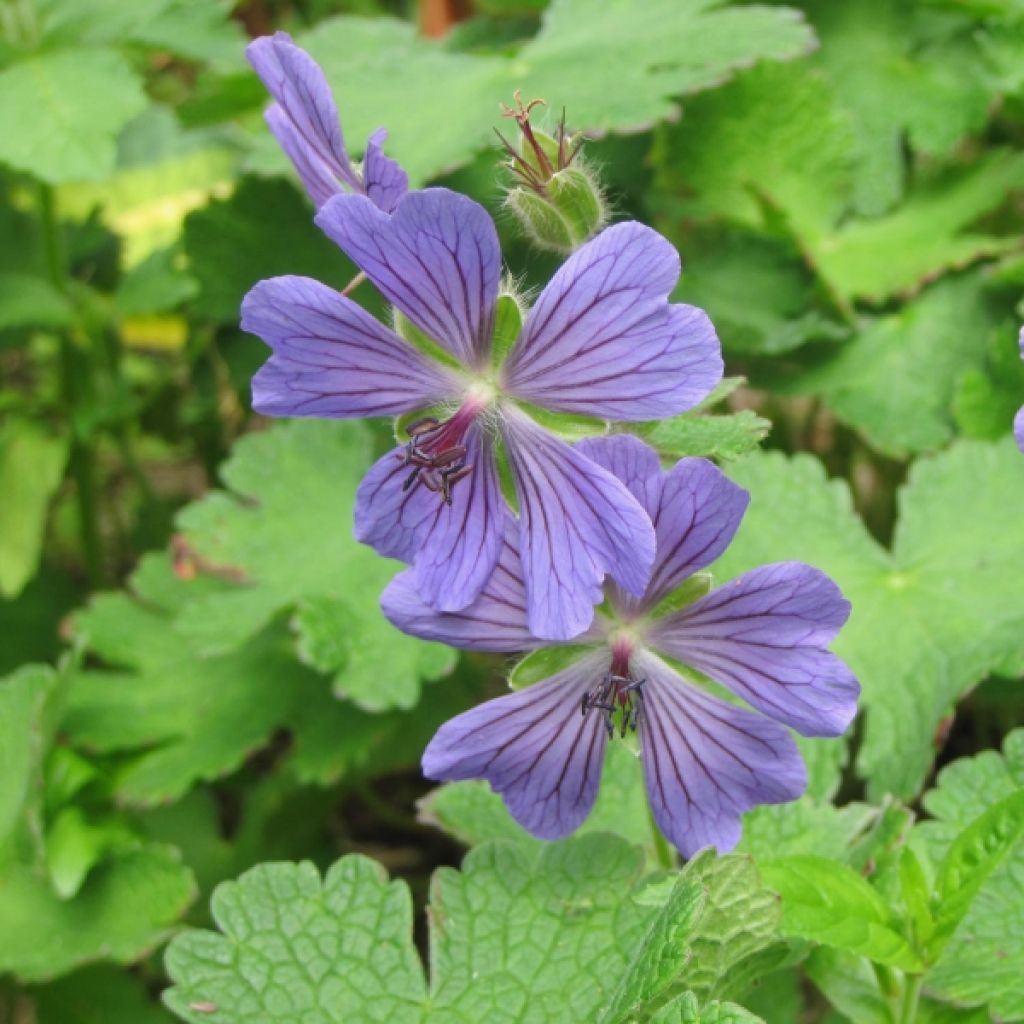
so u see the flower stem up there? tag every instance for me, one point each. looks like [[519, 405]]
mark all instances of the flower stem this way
[[82, 463], [911, 998]]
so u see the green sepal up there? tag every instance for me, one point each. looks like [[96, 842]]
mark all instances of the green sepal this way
[[568, 426], [401, 423], [693, 588], [407, 330], [578, 199], [544, 663], [541, 223], [508, 322]]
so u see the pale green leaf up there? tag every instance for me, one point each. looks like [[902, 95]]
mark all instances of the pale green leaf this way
[[24, 736], [721, 437], [60, 113], [285, 529], [830, 904], [31, 469], [976, 837], [932, 616], [719, 151], [186, 716], [930, 233], [651, 978], [298, 947], [687, 1010], [521, 933], [878, 51], [731, 946]]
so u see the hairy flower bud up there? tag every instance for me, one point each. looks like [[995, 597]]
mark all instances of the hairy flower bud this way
[[556, 200]]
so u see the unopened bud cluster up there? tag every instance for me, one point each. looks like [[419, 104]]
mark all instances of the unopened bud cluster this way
[[556, 199]]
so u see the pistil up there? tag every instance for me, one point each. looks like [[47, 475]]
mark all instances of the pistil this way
[[618, 693]]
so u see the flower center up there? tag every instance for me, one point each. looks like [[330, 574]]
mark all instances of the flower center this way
[[436, 450], [619, 693]]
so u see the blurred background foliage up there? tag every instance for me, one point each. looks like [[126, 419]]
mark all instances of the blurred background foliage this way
[[196, 674]]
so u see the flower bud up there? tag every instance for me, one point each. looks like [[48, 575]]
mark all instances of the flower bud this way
[[557, 202]]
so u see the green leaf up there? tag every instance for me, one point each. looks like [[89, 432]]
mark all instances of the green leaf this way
[[264, 229], [714, 437], [718, 151], [758, 288], [740, 920], [678, 47], [828, 903], [875, 382], [686, 1010], [285, 530], [875, 50], [806, 826], [186, 716], [930, 233], [977, 838], [24, 735], [298, 947], [60, 113], [125, 908], [97, 995], [661, 956], [30, 301], [975, 854], [931, 617], [520, 933], [31, 469]]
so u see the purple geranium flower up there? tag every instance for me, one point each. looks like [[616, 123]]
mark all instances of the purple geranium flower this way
[[762, 636], [305, 122], [602, 340]]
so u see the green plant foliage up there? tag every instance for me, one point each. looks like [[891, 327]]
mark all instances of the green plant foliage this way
[[897, 381], [262, 230], [293, 488], [977, 844], [375, 65], [930, 617], [60, 113], [31, 469], [519, 933]]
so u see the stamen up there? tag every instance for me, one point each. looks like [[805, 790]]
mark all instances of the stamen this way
[[436, 453], [620, 694]]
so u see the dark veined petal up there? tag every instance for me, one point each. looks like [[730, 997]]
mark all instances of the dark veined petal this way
[[331, 358], [392, 520], [706, 762], [764, 636], [436, 258], [304, 118], [453, 548], [385, 181], [495, 621], [578, 523], [535, 748], [602, 339], [636, 464], [459, 547], [695, 508]]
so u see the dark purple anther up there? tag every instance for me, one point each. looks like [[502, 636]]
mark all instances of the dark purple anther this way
[[436, 463], [617, 691]]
